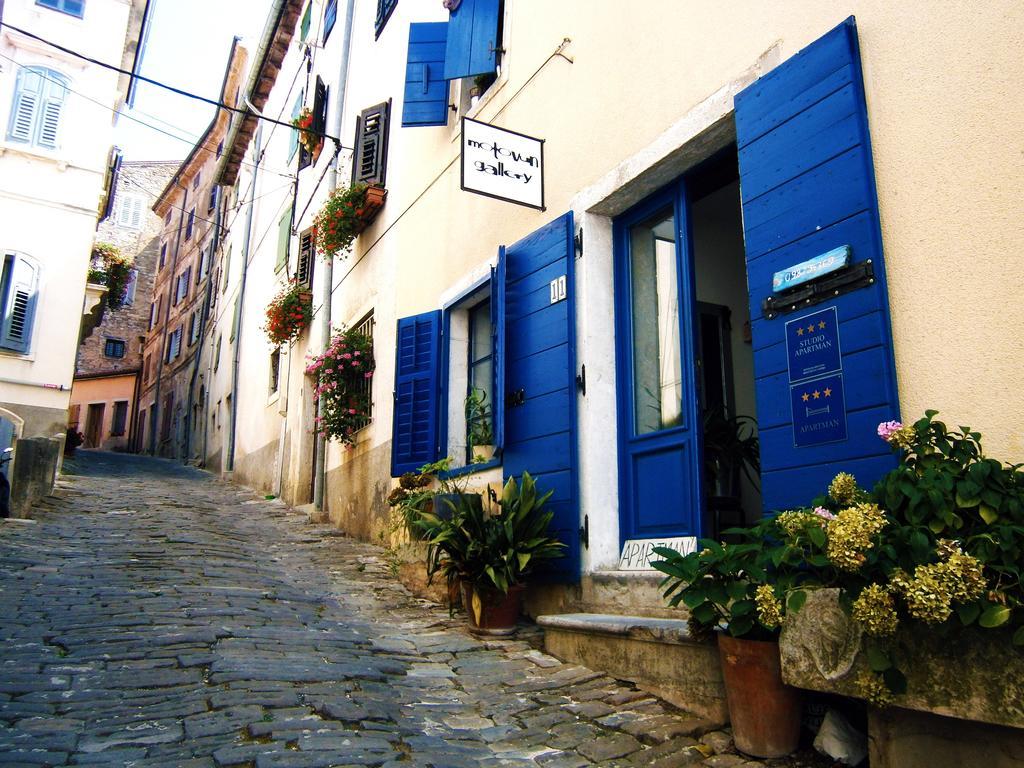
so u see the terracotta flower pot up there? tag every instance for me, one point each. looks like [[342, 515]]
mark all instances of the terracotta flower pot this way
[[498, 612], [375, 197], [765, 713]]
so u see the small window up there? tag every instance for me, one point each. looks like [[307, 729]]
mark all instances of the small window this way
[[227, 270], [471, 378], [293, 141], [193, 328], [19, 287], [371, 147], [191, 223], [307, 19], [214, 191], [384, 10], [220, 150], [275, 370], [70, 7], [365, 327], [146, 369], [195, 181], [39, 98], [130, 211], [120, 419], [129, 291], [163, 255], [330, 17], [114, 348], [216, 357]]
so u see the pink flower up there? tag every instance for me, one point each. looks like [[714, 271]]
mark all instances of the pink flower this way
[[824, 513], [368, 375], [352, 411], [887, 428], [347, 356]]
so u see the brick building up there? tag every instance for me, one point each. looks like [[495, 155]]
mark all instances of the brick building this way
[[109, 356], [190, 213]]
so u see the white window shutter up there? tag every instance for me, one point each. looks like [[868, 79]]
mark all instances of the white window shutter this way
[[23, 116], [20, 305], [136, 220], [49, 123]]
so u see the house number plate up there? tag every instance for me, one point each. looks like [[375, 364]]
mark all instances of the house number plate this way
[[557, 287]]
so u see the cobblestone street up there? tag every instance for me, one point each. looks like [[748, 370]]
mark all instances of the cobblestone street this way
[[151, 615]]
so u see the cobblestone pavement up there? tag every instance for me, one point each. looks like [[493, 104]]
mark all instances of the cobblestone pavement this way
[[153, 616]]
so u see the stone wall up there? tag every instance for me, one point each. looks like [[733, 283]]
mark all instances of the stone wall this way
[[33, 472], [130, 323]]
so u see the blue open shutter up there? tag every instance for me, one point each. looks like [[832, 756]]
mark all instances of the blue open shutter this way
[[807, 186], [472, 39], [540, 381], [417, 364], [19, 304], [426, 90], [499, 345]]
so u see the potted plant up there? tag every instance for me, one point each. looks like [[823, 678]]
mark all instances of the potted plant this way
[[288, 314], [479, 425], [308, 137], [491, 552], [111, 268], [345, 214], [725, 587], [341, 374]]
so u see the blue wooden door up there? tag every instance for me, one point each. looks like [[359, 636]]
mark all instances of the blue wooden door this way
[[807, 186], [540, 382], [658, 421]]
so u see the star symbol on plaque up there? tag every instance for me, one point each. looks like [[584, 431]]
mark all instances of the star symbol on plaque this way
[[810, 328], [828, 392], [816, 394], [805, 397], [799, 331], [821, 325]]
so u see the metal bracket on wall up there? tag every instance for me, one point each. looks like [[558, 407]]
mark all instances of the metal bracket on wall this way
[[585, 532], [850, 279], [581, 380], [577, 241]]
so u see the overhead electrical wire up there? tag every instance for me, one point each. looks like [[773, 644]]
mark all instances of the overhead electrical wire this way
[[181, 92]]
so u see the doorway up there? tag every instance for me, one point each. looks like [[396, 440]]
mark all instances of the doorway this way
[[688, 453], [94, 424]]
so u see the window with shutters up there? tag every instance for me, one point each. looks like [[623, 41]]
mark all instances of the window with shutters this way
[[37, 108], [19, 287], [307, 259], [195, 181], [129, 290], [330, 17], [227, 271], [275, 370], [293, 140], [146, 368], [212, 202], [216, 355], [114, 348], [384, 11], [193, 328], [191, 224], [163, 256], [70, 7], [120, 419], [307, 20], [181, 288], [130, 210], [284, 237], [365, 327], [371, 156]]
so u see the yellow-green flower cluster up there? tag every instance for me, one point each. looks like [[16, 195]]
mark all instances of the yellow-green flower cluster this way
[[902, 437], [769, 609], [933, 589], [850, 534], [873, 688], [875, 609], [794, 522], [843, 488]]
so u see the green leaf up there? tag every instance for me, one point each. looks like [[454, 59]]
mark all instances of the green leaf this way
[[878, 659], [968, 613], [988, 514], [1018, 636], [994, 616], [741, 608], [817, 536], [705, 613], [737, 590], [937, 526], [796, 600], [740, 626]]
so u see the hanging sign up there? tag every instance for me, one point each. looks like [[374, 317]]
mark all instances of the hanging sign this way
[[502, 164], [819, 411], [812, 345]]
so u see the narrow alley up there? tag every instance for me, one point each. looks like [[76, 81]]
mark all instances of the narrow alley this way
[[154, 616]]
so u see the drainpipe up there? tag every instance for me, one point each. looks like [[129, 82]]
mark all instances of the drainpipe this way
[[203, 318], [154, 414], [229, 464], [320, 467]]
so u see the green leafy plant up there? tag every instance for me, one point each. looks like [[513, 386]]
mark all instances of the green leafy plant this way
[[111, 268], [731, 446], [479, 419], [341, 219], [490, 548]]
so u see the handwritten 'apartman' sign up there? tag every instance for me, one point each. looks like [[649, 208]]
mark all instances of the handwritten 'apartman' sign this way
[[502, 164]]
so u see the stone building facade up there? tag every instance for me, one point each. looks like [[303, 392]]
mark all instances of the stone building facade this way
[[110, 356], [189, 208]]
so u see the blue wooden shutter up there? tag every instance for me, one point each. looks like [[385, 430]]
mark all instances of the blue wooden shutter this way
[[472, 39], [19, 304], [807, 186], [417, 381], [426, 90], [26, 106], [540, 381], [499, 346]]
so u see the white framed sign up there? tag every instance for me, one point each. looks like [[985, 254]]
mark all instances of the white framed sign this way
[[638, 553], [502, 164]]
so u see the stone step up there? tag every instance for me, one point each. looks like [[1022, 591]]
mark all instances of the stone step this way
[[657, 654]]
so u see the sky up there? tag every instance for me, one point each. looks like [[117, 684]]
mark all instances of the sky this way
[[188, 48]]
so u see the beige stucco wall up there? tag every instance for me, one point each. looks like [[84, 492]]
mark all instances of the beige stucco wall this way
[[107, 391]]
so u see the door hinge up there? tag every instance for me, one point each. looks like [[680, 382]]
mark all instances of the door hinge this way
[[585, 532], [577, 242], [581, 380]]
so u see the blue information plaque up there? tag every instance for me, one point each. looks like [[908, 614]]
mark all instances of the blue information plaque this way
[[812, 345], [819, 411]]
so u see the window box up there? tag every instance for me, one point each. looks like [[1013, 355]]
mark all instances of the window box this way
[[345, 215]]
